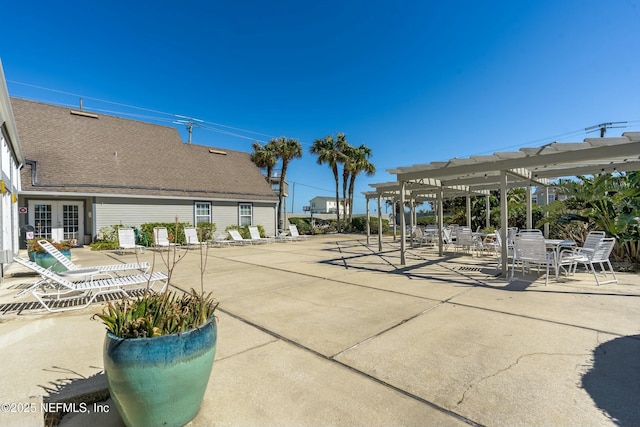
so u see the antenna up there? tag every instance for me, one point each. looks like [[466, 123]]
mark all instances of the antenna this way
[[603, 127], [189, 123]]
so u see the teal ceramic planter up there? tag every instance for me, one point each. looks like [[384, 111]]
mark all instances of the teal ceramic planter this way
[[45, 260], [160, 381]]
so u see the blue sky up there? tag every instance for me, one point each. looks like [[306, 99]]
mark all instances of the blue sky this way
[[416, 81]]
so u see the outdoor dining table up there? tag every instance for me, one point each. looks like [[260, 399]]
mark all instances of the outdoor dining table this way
[[556, 245]]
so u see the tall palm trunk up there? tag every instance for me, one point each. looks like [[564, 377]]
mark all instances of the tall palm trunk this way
[[336, 177]]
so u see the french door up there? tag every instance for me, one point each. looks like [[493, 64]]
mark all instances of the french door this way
[[57, 220]]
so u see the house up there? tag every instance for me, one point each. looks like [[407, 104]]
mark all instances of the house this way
[[538, 196], [325, 205], [85, 171], [11, 159]]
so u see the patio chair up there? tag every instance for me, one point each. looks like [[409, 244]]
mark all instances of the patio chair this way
[[465, 240], [570, 256], [531, 250], [191, 238], [220, 239], [57, 293], [600, 255], [161, 238], [127, 240], [237, 238], [255, 235], [293, 229], [74, 270]]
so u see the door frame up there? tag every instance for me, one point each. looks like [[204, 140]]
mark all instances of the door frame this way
[[56, 208]]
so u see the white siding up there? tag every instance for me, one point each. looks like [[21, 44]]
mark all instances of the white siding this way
[[226, 214], [264, 215], [135, 212]]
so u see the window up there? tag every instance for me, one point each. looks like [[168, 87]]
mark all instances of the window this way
[[245, 213], [203, 212]]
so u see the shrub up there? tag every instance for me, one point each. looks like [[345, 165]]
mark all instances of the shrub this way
[[359, 224], [175, 236]]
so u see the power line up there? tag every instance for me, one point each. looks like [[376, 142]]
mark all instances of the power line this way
[[173, 115]]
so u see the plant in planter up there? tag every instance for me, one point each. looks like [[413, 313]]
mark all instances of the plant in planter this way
[[42, 258], [159, 352]]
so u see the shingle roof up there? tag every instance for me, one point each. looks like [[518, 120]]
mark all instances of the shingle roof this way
[[112, 155]]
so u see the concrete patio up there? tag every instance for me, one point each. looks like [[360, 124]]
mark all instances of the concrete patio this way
[[330, 332]]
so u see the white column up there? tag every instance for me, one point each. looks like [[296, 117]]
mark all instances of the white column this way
[[403, 226], [379, 223], [487, 203], [368, 221], [504, 223], [529, 208]]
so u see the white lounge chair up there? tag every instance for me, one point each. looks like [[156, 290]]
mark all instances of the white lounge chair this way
[[75, 271], [127, 240], [161, 238], [255, 235], [236, 238], [293, 229], [191, 237], [58, 293]]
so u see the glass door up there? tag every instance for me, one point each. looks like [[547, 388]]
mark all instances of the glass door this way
[[57, 220]]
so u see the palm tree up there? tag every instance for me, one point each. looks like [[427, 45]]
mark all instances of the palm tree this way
[[328, 152], [264, 157], [347, 154], [359, 163], [285, 149]]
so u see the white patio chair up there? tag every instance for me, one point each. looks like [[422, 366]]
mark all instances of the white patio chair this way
[[161, 238], [600, 256], [570, 256], [57, 293], [127, 240], [74, 270], [237, 238], [293, 229], [191, 238], [465, 240], [531, 250], [254, 232]]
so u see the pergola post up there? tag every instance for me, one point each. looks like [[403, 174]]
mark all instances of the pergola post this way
[[411, 216], [395, 219], [469, 210], [440, 220], [379, 223], [368, 221], [487, 203], [529, 207], [403, 228], [504, 223], [546, 202]]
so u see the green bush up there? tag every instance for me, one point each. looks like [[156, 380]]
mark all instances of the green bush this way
[[359, 224], [426, 220], [175, 236]]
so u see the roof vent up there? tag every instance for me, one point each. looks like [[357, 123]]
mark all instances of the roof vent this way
[[214, 151], [84, 114]]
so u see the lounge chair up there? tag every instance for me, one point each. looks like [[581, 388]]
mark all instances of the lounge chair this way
[[161, 238], [74, 270], [127, 240], [255, 236], [236, 238], [56, 292], [294, 233], [191, 237]]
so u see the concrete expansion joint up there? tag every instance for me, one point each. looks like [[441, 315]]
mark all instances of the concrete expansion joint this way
[[512, 365]]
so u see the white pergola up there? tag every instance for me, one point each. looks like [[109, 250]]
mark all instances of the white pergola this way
[[504, 170]]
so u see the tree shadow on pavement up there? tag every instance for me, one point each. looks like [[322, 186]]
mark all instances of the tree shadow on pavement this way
[[613, 381]]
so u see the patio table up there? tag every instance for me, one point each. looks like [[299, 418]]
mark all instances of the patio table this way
[[556, 245]]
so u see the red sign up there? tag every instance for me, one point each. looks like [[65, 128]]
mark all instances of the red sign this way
[[22, 210]]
